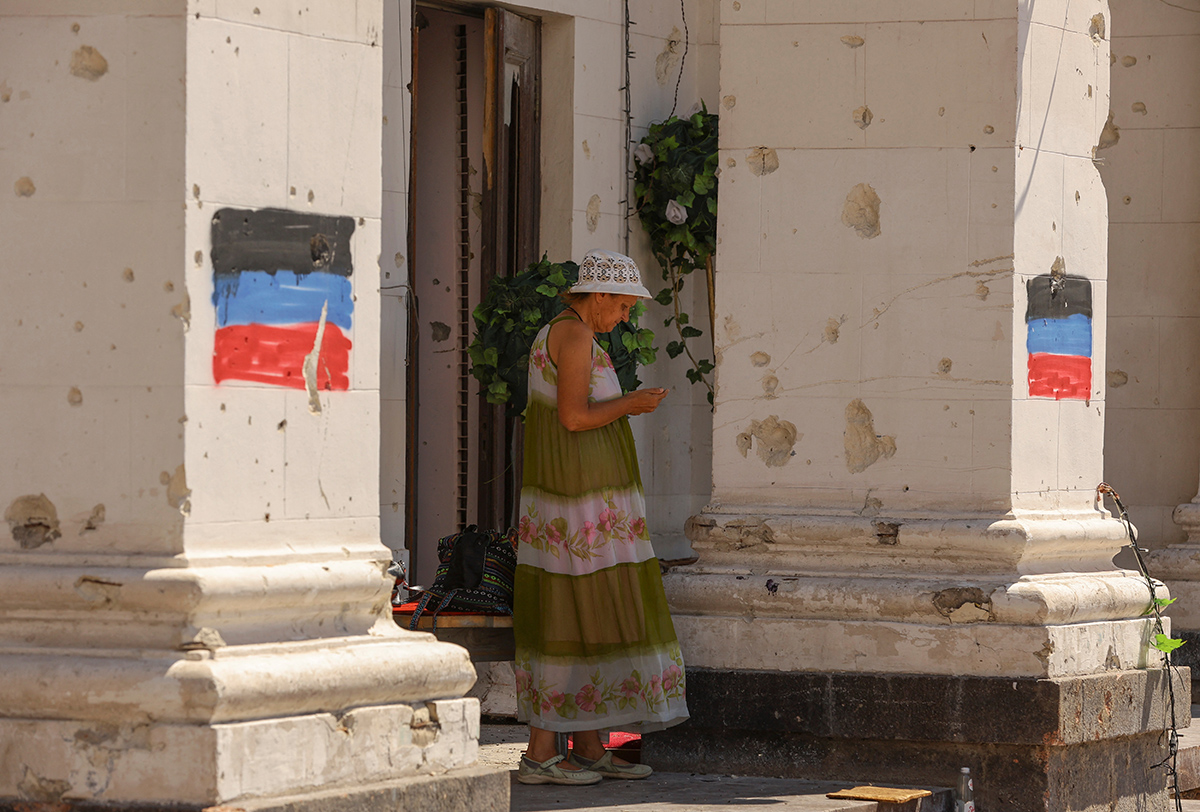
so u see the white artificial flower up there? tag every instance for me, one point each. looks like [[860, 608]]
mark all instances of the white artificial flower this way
[[643, 154], [696, 108], [675, 213]]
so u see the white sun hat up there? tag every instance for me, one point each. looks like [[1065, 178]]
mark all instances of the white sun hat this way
[[610, 272]]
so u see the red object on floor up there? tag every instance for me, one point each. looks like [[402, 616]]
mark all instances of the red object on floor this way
[[411, 606], [616, 740]]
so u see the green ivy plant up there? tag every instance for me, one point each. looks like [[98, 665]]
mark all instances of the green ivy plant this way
[[676, 192], [515, 308]]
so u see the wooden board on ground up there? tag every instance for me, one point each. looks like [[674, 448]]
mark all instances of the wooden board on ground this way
[[890, 794]]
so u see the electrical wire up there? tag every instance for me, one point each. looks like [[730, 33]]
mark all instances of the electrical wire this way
[[683, 60], [1171, 761]]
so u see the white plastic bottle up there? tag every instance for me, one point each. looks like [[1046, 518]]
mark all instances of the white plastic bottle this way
[[964, 800]]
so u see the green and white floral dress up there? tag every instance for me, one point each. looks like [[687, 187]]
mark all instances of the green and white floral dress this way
[[595, 646]]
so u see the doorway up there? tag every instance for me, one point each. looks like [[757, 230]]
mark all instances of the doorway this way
[[475, 191]]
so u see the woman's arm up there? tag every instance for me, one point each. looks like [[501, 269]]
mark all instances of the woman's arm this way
[[570, 347]]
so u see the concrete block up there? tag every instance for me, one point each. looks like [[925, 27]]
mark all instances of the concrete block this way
[[395, 143], [945, 84], [1134, 174], [1179, 363], [1140, 255], [333, 153], [394, 345], [1084, 224], [366, 327], [237, 133], [990, 207], [1165, 79], [332, 469], [1080, 439], [599, 166], [807, 100], [1130, 19], [236, 456], [1159, 474], [392, 420], [599, 68], [1035, 448], [1133, 368], [154, 114], [1181, 199], [1062, 103], [1037, 240]]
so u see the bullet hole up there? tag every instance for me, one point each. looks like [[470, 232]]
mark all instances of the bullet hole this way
[[222, 409], [853, 41], [1089, 91], [398, 259], [1117, 378], [944, 366], [33, 521], [320, 250], [79, 327], [281, 426], [1053, 226], [772, 586], [1127, 200], [439, 331], [198, 257], [178, 491], [74, 396], [168, 286], [1110, 135], [311, 196], [127, 274], [729, 102], [668, 58], [593, 213], [887, 532], [833, 329], [5, 91], [587, 151], [762, 160], [982, 291], [436, 282], [989, 129], [769, 384], [941, 111], [1138, 107], [862, 117], [267, 517], [731, 162], [196, 190], [871, 506], [760, 359], [972, 146], [94, 520], [737, 6], [292, 191], [183, 311], [862, 445], [256, 11], [87, 63], [1129, 61], [861, 211], [1076, 196], [1058, 270], [1096, 28], [775, 438], [24, 187], [75, 28]]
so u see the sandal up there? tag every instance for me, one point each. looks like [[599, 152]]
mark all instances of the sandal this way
[[606, 767], [548, 772]]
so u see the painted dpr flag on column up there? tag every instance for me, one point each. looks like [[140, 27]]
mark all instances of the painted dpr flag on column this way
[[1058, 321], [282, 290]]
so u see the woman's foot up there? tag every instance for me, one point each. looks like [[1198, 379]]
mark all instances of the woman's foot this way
[[555, 770], [610, 766]]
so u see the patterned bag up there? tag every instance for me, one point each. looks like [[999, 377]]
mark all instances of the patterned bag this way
[[475, 574]]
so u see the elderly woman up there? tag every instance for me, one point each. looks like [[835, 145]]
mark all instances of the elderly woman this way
[[595, 646]]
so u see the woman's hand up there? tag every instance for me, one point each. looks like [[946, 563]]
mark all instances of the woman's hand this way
[[644, 401]]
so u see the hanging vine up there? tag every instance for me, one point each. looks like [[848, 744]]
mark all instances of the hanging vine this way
[[675, 185]]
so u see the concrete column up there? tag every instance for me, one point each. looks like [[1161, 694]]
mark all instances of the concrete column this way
[[193, 598], [904, 569]]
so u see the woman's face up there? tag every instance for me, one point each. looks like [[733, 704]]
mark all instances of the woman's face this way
[[612, 308]]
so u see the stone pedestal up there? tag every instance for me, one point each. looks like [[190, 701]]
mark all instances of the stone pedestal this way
[[193, 598], [904, 568]]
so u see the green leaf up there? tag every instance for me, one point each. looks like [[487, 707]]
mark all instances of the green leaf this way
[[712, 205], [693, 376], [1163, 603], [703, 183], [705, 365], [674, 348], [1166, 644], [491, 356], [667, 321], [683, 318], [690, 332], [664, 296], [686, 199]]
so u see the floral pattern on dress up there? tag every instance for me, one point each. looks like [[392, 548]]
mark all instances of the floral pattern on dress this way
[[603, 695], [553, 534]]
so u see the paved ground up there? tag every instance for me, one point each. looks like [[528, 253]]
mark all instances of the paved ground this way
[[501, 746]]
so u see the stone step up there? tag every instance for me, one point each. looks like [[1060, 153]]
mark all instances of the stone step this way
[[1189, 755]]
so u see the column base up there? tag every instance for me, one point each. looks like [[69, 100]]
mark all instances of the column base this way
[[1032, 744], [480, 789]]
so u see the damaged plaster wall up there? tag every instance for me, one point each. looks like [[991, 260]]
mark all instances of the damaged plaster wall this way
[[1151, 174], [91, 116], [865, 286]]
